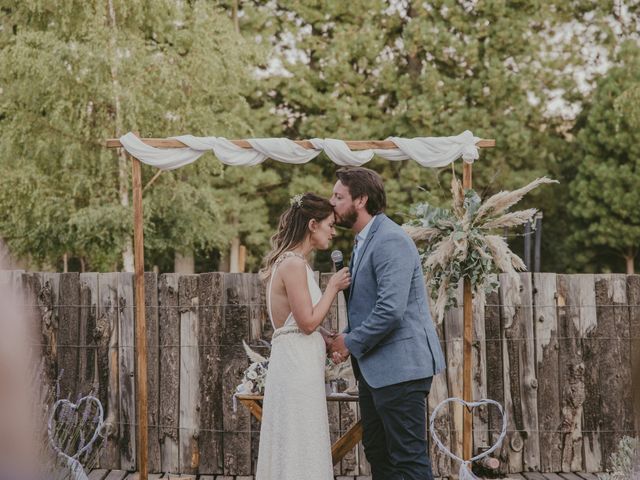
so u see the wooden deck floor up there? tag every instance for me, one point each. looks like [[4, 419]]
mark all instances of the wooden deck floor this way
[[124, 475]]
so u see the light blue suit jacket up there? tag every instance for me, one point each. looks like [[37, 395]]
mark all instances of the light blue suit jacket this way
[[390, 334]]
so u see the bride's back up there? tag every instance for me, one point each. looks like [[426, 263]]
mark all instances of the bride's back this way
[[277, 299]]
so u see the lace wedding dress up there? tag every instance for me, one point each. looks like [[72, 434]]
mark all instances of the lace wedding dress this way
[[294, 436]]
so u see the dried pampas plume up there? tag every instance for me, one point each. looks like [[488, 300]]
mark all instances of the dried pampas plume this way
[[254, 356], [459, 243]]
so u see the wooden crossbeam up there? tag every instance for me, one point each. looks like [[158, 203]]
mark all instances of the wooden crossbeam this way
[[352, 144]]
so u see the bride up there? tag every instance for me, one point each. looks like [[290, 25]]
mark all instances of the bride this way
[[294, 436]]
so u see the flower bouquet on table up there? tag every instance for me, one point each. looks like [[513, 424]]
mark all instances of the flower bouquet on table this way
[[255, 375]]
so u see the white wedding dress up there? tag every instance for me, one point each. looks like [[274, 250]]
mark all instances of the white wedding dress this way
[[294, 436]]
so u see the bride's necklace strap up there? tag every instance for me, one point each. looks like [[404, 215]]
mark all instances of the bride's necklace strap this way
[[289, 254]]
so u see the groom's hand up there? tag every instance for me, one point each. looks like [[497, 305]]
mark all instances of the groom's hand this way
[[339, 351]]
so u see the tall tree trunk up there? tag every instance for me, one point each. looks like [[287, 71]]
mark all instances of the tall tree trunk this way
[[65, 262], [629, 259], [414, 58], [234, 255], [184, 263], [123, 163], [236, 21]]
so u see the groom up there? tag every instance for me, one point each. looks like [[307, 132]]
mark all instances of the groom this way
[[391, 338]]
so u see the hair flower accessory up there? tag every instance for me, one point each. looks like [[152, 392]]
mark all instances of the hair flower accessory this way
[[296, 200]]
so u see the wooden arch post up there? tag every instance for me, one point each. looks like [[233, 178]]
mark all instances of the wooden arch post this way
[[141, 326], [467, 312], [141, 335]]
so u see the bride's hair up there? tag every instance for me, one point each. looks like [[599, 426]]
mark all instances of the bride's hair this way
[[294, 226]]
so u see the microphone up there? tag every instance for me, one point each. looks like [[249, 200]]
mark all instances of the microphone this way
[[338, 262]]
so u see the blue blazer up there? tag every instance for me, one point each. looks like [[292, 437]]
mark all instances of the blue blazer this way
[[390, 333]]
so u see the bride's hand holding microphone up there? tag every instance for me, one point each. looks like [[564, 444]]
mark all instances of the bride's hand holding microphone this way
[[340, 280]]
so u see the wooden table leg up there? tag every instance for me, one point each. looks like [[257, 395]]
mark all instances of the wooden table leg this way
[[346, 442], [254, 407]]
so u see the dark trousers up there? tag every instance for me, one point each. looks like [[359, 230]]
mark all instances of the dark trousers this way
[[394, 425]]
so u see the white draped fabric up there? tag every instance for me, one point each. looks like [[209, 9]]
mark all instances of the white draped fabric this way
[[427, 151]]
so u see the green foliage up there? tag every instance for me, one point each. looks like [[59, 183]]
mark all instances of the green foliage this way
[[74, 75], [71, 76], [368, 69], [606, 191]]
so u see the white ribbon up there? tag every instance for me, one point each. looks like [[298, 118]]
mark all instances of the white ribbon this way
[[432, 152]]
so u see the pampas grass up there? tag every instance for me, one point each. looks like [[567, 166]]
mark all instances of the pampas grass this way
[[460, 243]]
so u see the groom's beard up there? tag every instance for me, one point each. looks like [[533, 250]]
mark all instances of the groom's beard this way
[[347, 220]]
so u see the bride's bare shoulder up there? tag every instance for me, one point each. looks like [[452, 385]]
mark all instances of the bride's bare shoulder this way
[[292, 263]]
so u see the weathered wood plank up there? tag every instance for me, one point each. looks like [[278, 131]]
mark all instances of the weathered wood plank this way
[[533, 476], [126, 371], [210, 337], [348, 418], [136, 475], [591, 351], [453, 334], [570, 476], [68, 334], [513, 444], [546, 328], [528, 381], [614, 362], [97, 474], [495, 369], [552, 476], [153, 371], [258, 322], [38, 296], [235, 328], [479, 377], [107, 339], [575, 296], [189, 375], [333, 408], [587, 476], [440, 462], [349, 413], [87, 375], [116, 475], [169, 334], [633, 299]]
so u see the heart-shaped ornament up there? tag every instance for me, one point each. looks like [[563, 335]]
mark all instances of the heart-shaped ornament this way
[[73, 428], [465, 465]]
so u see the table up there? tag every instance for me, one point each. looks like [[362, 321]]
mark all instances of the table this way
[[341, 447]]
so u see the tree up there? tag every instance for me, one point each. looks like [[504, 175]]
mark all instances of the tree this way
[[371, 68], [76, 73], [606, 191]]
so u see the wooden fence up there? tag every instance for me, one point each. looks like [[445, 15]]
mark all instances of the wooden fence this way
[[556, 352]]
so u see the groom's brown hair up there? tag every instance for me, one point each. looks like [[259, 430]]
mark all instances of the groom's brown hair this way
[[361, 181]]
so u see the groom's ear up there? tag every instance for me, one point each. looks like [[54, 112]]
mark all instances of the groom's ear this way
[[361, 201]]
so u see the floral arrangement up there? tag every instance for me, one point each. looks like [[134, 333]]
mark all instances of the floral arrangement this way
[[460, 243], [255, 375]]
